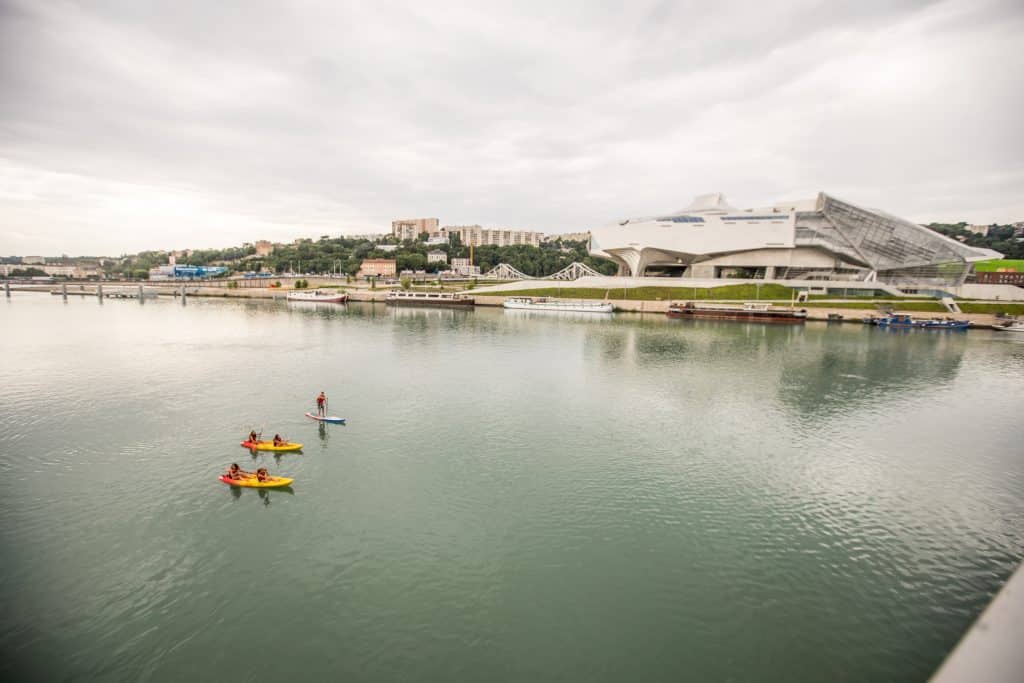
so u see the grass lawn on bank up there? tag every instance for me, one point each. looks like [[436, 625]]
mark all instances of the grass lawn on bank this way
[[1008, 308], [997, 264], [903, 306]]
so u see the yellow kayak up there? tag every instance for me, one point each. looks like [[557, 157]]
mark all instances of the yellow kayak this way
[[269, 446], [253, 482]]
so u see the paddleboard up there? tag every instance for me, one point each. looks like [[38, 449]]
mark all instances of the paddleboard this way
[[332, 420]]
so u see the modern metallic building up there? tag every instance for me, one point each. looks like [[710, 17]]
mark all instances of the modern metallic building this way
[[817, 239]]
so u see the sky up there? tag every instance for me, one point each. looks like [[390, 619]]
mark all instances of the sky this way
[[130, 125]]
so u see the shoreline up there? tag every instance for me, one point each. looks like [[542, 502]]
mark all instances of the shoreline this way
[[815, 313]]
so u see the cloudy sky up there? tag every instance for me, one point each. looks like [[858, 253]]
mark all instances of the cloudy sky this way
[[129, 125]]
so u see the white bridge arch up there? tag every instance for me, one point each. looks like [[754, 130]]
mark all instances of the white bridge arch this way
[[573, 271]]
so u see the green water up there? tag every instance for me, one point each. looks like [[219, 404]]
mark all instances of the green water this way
[[514, 498]]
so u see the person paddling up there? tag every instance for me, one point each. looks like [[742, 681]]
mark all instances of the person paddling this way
[[236, 472], [321, 405], [278, 441], [253, 437]]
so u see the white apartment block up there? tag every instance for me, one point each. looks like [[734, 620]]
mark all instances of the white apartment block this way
[[498, 237], [410, 229]]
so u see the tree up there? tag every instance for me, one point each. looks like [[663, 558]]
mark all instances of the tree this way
[[28, 272]]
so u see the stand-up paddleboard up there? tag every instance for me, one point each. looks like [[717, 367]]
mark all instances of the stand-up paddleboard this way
[[332, 420]]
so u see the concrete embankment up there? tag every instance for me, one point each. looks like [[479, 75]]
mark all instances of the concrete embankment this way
[[380, 295]]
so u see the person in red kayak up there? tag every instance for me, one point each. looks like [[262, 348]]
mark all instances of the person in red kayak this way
[[321, 405]]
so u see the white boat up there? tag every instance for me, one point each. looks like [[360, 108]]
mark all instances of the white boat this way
[[324, 296], [409, 298], [543, 303], [1011, 326]]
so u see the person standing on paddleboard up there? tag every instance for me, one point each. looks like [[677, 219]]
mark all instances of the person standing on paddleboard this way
[[321, 405]]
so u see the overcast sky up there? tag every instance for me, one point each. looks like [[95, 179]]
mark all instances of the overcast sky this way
[[163, 125]]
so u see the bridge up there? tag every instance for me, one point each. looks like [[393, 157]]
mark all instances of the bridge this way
[[573, 271]]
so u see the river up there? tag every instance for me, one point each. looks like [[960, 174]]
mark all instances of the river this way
[[516, 496]]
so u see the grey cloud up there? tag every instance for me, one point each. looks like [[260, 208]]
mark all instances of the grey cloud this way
[[331, 117]]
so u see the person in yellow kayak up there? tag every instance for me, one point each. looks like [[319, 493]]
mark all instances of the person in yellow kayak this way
[[321, 405], [262, 475], [254, 437], [235, 472], [278, 441]]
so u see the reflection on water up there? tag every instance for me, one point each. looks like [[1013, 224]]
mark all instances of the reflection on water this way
[[570, 497]]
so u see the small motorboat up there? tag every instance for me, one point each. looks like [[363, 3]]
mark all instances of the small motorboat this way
[[323, 296], [907, 321], [1010, 326]]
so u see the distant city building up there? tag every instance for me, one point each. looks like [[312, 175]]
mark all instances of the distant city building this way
[[264, 248], [463, 267], [437, 238], [378, 267], [172, 271], [821, 238], [185, 272], [498, 237], [387, 247], [33, 260], [410, 229], [77, 272], [979, 229], [1004, 276], [437, 256]]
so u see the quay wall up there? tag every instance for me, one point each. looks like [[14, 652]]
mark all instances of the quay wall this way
[[379, 296]]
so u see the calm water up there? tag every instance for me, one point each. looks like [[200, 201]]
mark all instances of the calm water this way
[[515, 497]]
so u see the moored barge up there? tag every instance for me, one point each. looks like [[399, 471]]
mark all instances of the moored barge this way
[[403, 298], [544, 303], [748, 312]]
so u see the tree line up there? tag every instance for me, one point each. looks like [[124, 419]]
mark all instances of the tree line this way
[[344, 255], [999, 237]]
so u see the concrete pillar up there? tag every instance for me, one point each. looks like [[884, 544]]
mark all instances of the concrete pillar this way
[[99, 290], [7, 289], [64, 291], [183, 295], [141, 299]]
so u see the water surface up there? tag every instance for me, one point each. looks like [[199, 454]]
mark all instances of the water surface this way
[[516, 496]]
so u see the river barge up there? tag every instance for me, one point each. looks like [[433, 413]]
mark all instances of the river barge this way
[[402, 298], [324, 296], [748, 312], [543, 303]]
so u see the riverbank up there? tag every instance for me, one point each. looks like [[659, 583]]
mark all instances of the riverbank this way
[[850, 310]]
